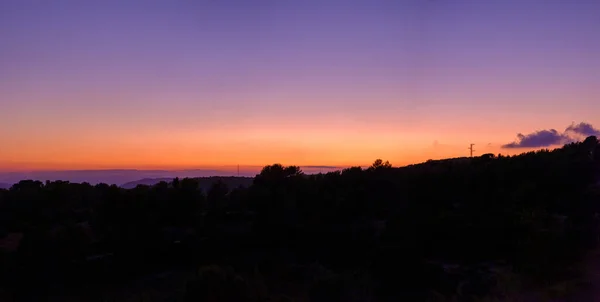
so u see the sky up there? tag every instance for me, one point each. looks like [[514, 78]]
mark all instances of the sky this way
[[176, 84]]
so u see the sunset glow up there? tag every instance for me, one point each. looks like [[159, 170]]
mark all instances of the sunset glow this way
[[180, 85]]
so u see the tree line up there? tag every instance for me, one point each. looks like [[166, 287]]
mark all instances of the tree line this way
[[465, 229]]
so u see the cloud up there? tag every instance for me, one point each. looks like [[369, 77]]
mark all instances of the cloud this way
[[551, 137], [584, 129], [542, 138], [320, 167]]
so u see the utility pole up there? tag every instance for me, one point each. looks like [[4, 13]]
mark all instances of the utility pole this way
[[238, 170], [471, 149]]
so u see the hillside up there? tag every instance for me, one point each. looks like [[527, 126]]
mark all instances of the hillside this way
[[145, 182], [487, 227], [204, 183]]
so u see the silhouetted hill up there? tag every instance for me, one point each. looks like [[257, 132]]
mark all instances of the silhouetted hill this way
[[463, 229], [204, 183], [123, 176], [116, 177], [432, 162], [145, 182]]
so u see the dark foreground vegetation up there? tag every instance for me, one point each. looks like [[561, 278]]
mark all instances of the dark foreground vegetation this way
[[462, 229]]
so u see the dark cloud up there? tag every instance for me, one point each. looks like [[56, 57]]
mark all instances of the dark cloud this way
[[551, 137], [584, 129], [542, 138], [320, 167]]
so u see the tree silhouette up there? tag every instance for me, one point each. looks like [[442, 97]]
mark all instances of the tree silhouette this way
[[380, 164], [454, 228]]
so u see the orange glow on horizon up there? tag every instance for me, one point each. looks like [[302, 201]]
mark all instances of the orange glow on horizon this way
[[334, 140], [260, 149]]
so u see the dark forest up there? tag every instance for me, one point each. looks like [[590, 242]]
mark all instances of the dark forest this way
[[466, 229]]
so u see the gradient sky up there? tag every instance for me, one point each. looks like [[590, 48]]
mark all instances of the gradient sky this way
[[188, 84]]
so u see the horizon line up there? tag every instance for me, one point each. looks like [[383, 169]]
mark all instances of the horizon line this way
[[208, 168]]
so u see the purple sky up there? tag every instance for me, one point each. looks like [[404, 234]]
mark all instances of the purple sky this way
[[121, 84]]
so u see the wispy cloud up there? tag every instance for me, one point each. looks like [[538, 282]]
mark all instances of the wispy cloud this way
[[320, 167], [551, 137]]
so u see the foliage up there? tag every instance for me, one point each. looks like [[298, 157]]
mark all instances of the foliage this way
[[448, 229]]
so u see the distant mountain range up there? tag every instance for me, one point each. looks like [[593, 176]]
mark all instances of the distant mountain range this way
[[116, 177], [204, 182], [145, 182], [124, 176]]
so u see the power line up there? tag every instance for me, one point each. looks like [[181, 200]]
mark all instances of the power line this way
[[471, 149]]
